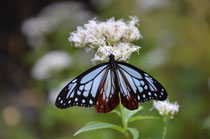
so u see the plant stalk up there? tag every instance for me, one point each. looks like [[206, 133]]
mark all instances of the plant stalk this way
[[124, 123], [165, 121]]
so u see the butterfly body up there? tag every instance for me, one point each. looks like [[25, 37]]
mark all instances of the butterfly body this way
[[100, 86]]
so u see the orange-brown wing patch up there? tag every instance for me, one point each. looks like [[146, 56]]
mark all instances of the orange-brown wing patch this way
[[126, 93], [108, 98]]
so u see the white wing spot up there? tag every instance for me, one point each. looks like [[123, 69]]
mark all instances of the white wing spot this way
[[138, 97], [144, 96], [61, 101], [79, 92], [91, 102], [140, 89], [85, 93], [136, 82], [162, 89], [161, 93], [74, 80], [146, 74], [149, 94], [76, 99], [81, 87], [59, 98], [155, 94], [83, 101], [69, 101], [142, 82], [145, 87]]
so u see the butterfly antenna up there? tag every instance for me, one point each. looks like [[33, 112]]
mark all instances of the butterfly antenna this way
[[119, 58]]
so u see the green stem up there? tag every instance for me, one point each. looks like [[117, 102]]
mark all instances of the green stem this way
[[124, 123], [165, 121]]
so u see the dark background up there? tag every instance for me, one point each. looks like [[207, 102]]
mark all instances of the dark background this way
[[13, 43], [175, 50]]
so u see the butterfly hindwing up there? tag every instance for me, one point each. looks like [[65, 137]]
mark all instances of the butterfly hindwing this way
[[143, 86], [126, 93], [108, 98], [82, 91]]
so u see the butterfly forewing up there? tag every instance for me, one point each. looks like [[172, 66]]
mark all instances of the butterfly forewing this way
[[82, 91], [143, 86]]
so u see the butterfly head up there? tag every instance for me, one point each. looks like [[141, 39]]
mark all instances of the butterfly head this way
[[111, 57]]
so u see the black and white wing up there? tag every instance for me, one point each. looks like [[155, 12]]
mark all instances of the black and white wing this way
[[83, 90], [136, 83]]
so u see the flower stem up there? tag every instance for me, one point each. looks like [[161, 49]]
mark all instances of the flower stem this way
[[165, 121], [124, 123]]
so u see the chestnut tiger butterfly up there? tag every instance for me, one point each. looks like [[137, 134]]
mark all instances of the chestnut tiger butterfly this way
[[100, 86]]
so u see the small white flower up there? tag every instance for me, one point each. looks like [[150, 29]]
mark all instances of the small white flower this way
[[166, 108], [51, 62], [108, 37]]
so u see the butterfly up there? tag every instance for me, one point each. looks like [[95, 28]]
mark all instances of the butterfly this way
[[100, 86]]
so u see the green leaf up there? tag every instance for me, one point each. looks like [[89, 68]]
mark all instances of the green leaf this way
[[129, 114], [98, 125], [135, 118], [134, 132], [116, 112]]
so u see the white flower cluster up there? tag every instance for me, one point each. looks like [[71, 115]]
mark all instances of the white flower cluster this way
[[121, 51], [51, 62], [108, 37], [52, 17], [165, 108]]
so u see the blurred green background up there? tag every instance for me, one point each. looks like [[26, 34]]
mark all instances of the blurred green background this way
[[37, 60]]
